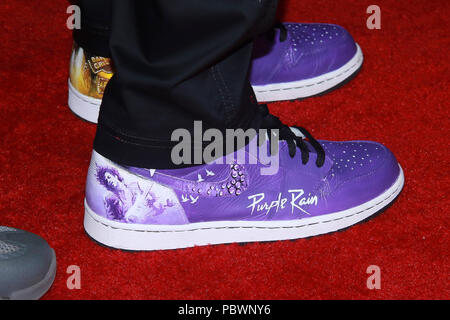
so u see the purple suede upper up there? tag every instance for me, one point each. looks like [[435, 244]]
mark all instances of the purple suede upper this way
[[310, 50]]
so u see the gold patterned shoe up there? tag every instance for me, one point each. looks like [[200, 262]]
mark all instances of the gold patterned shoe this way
[[89, 75]]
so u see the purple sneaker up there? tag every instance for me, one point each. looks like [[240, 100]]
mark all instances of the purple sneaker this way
[[320, 187], [301, 60]]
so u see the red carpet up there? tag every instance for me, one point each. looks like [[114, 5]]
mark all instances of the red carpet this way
[[400, 99]]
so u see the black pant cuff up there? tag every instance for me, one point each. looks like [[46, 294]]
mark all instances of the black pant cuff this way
[[93, 40]]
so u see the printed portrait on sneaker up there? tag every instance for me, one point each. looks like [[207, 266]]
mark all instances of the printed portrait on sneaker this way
[[123, 198], [128, 201]]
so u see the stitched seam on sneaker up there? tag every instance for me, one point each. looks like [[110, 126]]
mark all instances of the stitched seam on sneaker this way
[[316, 83]]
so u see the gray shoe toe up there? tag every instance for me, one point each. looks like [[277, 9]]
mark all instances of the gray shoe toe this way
[[27, 264]]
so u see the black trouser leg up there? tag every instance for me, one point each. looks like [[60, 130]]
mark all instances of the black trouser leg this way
[[177, 61], [95, 26]]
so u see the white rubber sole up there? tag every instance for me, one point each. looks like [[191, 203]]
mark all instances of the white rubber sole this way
[[88, 108], [37, 290], [309, 87], [82, 105], [160, 237]]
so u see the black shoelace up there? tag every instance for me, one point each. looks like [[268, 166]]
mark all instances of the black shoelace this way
[[283, 32], [293, 141]]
